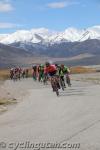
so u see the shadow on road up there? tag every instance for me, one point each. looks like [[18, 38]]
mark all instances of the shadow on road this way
[[71, 92]]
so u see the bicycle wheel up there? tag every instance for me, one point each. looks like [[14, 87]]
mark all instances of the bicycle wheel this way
[[62, 84], [56, 89], [68, 80], [55, 86], [45, 80]]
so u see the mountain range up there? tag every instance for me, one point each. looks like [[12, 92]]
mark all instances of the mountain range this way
[[70, 44]]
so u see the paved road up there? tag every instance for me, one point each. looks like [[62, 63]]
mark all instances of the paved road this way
[[41, 116]]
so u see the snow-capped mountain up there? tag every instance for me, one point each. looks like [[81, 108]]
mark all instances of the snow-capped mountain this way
[[46, 36], [33, 36], [45, 43]]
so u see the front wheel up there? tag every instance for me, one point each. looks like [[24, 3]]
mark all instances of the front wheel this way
[[62, 83], [68, 80], [55, 86], [57, 93]]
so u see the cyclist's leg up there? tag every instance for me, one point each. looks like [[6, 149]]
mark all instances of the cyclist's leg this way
[[56, 85], [57, 80], [63, 80], [42, 76], [45, 78], [52, 83]]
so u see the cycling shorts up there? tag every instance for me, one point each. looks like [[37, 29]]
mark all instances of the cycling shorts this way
[[51, 74]]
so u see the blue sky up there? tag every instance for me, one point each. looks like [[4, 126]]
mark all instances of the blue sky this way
[[52, 14]]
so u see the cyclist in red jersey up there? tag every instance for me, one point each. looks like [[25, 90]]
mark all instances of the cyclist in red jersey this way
[[51, 70]]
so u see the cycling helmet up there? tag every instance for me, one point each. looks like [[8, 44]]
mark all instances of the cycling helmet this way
[[62, 65], [47, 64], [41, 65], [56, 65]]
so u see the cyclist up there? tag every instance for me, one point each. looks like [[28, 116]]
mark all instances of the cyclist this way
[[51, 70], [41, 72], [64, 70], [34, 67], [61, 77]]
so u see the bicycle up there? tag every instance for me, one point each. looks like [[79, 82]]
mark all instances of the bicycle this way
[[62, 83], [45, 79], [55, 84], [68, 80]]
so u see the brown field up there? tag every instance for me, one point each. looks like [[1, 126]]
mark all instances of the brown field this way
[[79, 69], [4, 74]]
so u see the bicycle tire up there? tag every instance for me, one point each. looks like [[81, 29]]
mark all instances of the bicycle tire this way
[[68, 81], [62, 84], [55, 87]]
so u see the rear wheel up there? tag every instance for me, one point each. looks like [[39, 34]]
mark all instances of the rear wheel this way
[[54, 84], [68, 80], [62, 83], [45, 79], [56, 89]]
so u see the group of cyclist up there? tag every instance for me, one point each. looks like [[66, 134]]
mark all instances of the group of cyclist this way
[[16, 73], [58, 75]]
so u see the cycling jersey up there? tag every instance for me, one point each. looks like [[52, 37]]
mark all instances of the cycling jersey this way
[[51, 70], [41, 69], [63, 71]]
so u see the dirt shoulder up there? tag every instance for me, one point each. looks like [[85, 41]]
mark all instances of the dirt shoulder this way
[[93, 78], [12, 92], [5, 98]]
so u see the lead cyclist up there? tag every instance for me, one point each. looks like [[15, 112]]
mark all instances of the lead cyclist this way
[[51, 70]]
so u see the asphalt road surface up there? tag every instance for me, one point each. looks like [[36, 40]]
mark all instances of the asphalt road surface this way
[[42, 117]]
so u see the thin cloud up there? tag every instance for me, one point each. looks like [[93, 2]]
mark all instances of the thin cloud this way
[[57, 5], [63, 4], [5, 6], [6, 25]]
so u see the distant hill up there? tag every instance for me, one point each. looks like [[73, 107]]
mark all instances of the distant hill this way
[[89, 51], [64, 49], [23, 53], [11, 55], [95, 60]]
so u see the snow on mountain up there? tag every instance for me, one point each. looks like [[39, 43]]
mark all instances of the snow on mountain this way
[[94, 32], [3, 36], [69, 35], [45, 36], [33, 36]]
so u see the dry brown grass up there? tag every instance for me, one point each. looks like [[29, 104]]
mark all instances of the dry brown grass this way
[[30, 72], [4, 74], [80, 69], [7, 101]]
